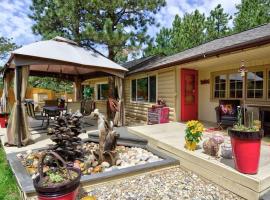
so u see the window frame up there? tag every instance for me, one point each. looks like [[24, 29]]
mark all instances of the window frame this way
[[96, 92], [265, 80], [229, 86], [148, 79], [266, 87]]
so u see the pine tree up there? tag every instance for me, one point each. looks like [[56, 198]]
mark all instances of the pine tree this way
[[114, 25], [217, 23], [162, 43], [6, 45], [251, 13]]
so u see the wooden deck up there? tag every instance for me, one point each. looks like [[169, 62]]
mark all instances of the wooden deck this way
[[170, 138]]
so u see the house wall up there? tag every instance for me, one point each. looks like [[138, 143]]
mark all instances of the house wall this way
[[100, 104], [207, 104], [166, 90]]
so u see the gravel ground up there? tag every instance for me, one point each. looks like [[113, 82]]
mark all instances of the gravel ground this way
[[173, 183]]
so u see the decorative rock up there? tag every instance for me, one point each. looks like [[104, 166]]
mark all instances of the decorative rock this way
[[105, 164], [219, 138], [29, 151], [211, 147], [226, 150], [95, 163], [97, 169], [31, 170], [35, 163], [76, 165], [118, 162]]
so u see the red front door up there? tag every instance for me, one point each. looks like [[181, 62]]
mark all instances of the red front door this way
[[189, 94]]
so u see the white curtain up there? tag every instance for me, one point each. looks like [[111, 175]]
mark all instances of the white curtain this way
[[13, 129], [119, 115]]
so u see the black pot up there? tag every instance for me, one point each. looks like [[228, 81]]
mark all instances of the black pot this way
[[69, 188]]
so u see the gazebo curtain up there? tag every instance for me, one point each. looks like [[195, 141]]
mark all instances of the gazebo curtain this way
[[18, 130], [4, 99], [119, 115]]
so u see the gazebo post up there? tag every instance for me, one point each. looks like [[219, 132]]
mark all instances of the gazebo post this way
[[77, 89], [18, 78]]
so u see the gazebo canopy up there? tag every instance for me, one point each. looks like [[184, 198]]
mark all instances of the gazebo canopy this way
[[60, 58], [65, 58]]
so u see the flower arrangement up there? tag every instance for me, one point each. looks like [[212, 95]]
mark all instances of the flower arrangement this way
[[193, 133]]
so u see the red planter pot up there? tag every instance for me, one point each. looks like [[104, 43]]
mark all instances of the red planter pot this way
[[64, 191], [68, 196], [3, 120], [246, 147]]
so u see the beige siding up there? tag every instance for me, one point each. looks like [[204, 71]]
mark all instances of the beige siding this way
[[100, 104], [166, 89]]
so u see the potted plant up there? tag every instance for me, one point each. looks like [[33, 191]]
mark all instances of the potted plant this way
[[57, 182], [193, 134], [246, 144]]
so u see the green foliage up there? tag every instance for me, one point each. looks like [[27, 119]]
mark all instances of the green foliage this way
[[88, 92], [116, 25], [6, 45], [55, 177], [190, 32], [193, 29], [54, 84], [217, 23], [8, 186], [251, 13]]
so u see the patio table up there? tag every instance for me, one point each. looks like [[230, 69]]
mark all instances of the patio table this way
[[52, 111]]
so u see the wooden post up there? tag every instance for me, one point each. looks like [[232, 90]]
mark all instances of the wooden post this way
[[111, 87], [77, 85], [111, 83], [18, 79]]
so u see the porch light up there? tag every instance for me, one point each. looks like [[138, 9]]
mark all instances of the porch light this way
[[243, 69]]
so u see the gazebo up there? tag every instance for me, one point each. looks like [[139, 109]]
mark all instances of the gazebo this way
[[61, 58]]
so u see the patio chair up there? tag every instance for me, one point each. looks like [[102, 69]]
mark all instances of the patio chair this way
[[29, 106], [226, 113], [88, 106]]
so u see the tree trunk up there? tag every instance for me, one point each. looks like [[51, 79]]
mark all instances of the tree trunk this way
[[111, 54]]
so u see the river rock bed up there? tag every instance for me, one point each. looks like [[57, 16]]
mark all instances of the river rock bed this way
[[127, 157]]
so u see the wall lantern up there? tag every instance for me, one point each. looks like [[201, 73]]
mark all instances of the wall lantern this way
[[243, 69]]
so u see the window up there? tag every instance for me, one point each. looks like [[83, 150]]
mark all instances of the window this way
[[236, 85], [102, 91], [153, 89], [255, 85], [220, 86], [144, 89]]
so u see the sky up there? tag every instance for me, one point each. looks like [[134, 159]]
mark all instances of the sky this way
[[15, 23]]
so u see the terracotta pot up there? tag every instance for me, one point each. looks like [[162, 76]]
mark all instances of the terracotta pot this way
[[246, 147], [190, 145]]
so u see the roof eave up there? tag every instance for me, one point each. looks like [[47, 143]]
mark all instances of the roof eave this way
[[230, 49]]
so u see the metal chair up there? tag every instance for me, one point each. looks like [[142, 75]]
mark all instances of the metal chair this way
[[29, 106]]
